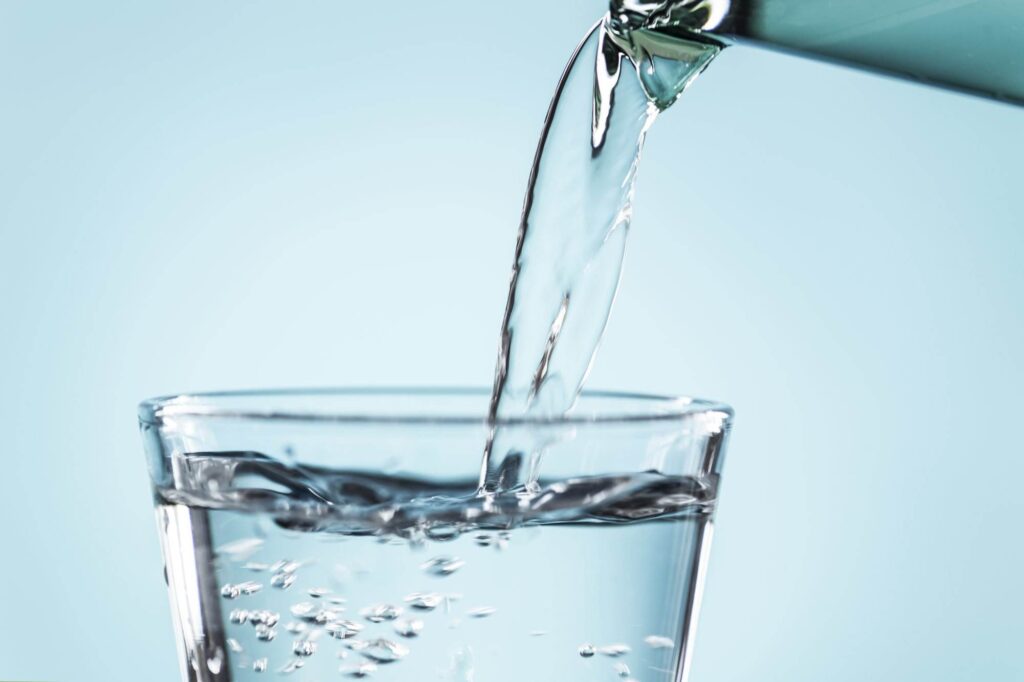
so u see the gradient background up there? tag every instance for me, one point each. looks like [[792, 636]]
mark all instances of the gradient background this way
[[231, 195]]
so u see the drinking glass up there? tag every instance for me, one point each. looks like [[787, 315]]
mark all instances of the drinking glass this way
[[330, 533]]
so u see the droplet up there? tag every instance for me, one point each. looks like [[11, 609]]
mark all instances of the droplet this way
[[408, 627], [238, 616], [234, 645], [265, 633], [587, 650], [282, 581], [614, 650], [384, 651], [249, 587], [483, 539], [361, 670], [256, 566], [259, 665], [442, 565], [659, 642], [291, 666], [424, 601], [303, 647], [303, 609], [337, 600], [317, 592], [343, 629], [621, 669], [481, 612], [380, 613]]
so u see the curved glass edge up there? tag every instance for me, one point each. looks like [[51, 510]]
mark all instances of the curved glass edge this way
[[205, 405]]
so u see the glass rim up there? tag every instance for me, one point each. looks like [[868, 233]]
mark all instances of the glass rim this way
[[211, 404]]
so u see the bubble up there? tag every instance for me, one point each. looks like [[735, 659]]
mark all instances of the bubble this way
[[384, 651], [230, 591], [621, 669], [343, 629], [303, 647], [317, 592], [614, 650], [442, 565], [256, 566], [408, 627], [249, 587], [337, 600], [240, 550], [481, 612], [265, 633], [259, 665], [216, 662], [538, 633], [234, 645], [483, 539], [380, 613], [442, 532], [303, 609], [424, 601], [285, 566], [238, 616], [357, 644], [282, 581], [587, 650], [268, 618], [659, 642], [361, 670], [291, 666]]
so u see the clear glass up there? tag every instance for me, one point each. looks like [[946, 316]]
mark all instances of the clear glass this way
[[331, 533]]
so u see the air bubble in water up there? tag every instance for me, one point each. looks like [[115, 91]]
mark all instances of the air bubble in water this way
[[234, 645], [268, 618], [380, 613], [484, 539], [362, 670], [303, 609], [408, 627], [442, 533], [230, 591], [265, 633], [239, 550], [481, 612], [538, 633], [621, 669], [215, 662], [256, 566], [282, 581], [343, 629], [317, 592], [384, 651], [424, 601], [291, 666], [249, 587], [659, 642], [303, 647], [238, 616], [295, 627], [614, 650], [587, 650], [442, 565], [259, 665]]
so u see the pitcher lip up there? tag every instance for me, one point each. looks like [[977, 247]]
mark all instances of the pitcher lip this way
[[646, 407]]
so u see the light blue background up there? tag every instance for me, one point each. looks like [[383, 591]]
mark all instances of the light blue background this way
[[231, 195]]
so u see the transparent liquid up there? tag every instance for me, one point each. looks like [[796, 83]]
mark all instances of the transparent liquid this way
[[578, 208], [319, 574]]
